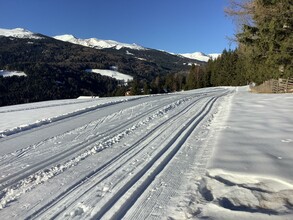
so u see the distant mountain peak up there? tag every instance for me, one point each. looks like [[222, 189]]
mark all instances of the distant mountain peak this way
[[97, 43], [65, 37], [18, 33], [201, 56]]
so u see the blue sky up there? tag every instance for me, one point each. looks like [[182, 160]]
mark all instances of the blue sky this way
[[179, 26]]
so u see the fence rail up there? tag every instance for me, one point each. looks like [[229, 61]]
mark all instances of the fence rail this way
[[274, 86]]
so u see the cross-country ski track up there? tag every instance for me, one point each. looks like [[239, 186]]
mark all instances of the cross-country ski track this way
[[125, 159]]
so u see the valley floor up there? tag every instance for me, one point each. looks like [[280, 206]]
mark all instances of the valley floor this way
[[215, 153]]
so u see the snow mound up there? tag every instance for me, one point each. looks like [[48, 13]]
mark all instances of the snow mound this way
[[97, 43], [6, 73], [18, 33], [200, 56], [225, 195]]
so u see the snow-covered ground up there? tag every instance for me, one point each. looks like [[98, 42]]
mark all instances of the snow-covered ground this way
[[113, 74], [6, 73], [218, 153], [249, 175], [18, 118]]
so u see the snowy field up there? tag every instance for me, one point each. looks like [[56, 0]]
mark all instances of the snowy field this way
[[216, 153], [113, 74]]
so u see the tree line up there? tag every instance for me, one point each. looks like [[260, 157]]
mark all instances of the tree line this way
[[265, 44], [264, 51]]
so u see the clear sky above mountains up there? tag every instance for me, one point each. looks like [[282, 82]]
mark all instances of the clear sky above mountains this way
[[178, 26]]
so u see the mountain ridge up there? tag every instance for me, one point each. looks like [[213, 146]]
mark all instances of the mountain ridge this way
[[99, 43]]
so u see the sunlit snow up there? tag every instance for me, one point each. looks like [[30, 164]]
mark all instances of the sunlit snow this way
[[97, 43], [214, 153], [200, 56], [18, 33], [113, 74]]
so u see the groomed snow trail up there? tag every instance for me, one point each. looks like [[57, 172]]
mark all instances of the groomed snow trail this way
[[126, 159]]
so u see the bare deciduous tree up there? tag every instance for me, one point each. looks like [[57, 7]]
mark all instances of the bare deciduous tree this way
[[242, 12]]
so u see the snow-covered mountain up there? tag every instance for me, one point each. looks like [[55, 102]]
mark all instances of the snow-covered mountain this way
[[201, 56], [97, 43], [18, 33], [102, 44]]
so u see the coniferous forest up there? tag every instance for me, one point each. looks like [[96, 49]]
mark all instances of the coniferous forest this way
[[265, 44], [264, 51]]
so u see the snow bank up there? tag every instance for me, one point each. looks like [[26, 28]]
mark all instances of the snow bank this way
[[227, 195]]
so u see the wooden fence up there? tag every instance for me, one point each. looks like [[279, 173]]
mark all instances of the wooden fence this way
[[274, 86]]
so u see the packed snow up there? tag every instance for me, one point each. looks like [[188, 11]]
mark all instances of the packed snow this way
[[7, 73], [97, 43], [113, 74], [214, 153], [201, 56], [18, 33], [37, 114]]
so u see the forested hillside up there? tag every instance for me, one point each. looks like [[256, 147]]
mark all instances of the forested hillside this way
[[56, 69]]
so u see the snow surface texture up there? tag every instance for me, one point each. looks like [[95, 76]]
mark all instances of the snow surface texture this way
[[18, 33], [97, 163], [147, 157], [6, 73], [37, 114], [250, 173], [113, 74], [201, 56], [97, 43]]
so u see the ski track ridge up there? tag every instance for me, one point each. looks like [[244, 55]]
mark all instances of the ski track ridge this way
[[16, 177], [123, 209], [188, 128], [117, 158], [137, 183]]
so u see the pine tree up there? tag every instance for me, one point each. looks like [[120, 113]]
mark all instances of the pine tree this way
[[266, 37], [191, 81]]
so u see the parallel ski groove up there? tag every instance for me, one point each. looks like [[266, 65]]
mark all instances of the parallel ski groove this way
[[12, 179], [123, 209], [109, 163], [127, 172]]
